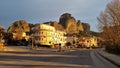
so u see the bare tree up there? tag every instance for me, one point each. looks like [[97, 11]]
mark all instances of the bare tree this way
[[109, 23]]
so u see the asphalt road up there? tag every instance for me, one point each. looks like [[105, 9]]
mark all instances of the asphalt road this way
[[52, 59]]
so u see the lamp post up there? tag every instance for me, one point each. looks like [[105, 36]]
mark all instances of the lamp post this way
[[32, 43]]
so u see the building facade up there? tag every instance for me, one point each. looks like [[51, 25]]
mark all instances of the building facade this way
[[47, 35], [88, 42]]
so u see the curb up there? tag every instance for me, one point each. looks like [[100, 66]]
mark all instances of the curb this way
[[113, 62], [16, 49]]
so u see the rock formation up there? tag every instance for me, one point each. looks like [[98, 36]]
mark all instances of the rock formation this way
[[86, 27], [56, 25], [71, 26], [19, 26], [79, 26], [68, 22]]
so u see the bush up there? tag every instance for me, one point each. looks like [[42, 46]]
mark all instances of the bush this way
[[113, 49], [68, 44]]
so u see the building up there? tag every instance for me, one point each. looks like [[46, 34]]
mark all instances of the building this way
[[88, 42], [93, 42], [20, 36], [47, 35], [60, 37]]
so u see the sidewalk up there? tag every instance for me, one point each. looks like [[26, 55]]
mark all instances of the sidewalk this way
[[27, 49], [115, 59], [16, 48]]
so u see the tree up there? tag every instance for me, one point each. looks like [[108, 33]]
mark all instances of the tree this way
[[109, 23], [2, 32], [8, 37], [2, 29]]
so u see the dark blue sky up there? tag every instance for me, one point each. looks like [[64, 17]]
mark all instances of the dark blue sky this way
[[39, 11]]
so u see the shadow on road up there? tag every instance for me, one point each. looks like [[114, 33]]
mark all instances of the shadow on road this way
[[52, 59]]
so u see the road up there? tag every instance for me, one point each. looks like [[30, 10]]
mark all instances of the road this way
[[52, 59]]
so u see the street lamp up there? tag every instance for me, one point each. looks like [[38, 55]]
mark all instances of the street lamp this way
[[32, 42]]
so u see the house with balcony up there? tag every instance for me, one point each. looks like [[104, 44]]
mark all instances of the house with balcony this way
[[47, 35]]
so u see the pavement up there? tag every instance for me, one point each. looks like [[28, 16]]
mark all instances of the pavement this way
[[28, 49], [16, 48], [115, 59]]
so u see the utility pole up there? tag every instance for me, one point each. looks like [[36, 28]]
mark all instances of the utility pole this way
[[32, 43]]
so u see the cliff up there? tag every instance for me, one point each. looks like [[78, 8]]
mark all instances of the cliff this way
[[86, 27], [66, 23], [19, 26], [71, 25], [80, 26], [56, 25]]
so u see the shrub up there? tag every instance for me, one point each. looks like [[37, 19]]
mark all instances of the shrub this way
[[113, 49]]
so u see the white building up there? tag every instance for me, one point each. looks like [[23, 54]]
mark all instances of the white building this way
[[47, 35]]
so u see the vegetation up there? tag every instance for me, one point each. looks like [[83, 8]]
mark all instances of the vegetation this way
[[2, 29], [2, 32], [109, 23]]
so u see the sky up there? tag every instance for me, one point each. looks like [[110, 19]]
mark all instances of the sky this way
[[40, 11]]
